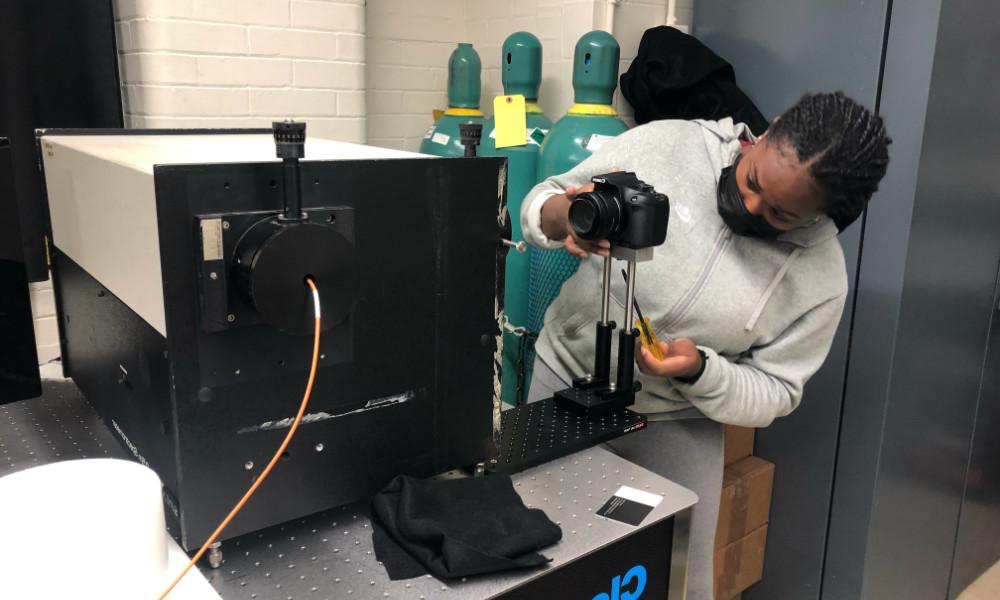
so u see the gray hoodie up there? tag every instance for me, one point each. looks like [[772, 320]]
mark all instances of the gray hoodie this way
[[764, 312]]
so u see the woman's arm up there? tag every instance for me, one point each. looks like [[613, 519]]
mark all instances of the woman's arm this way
[[768, 383], [545, 208]]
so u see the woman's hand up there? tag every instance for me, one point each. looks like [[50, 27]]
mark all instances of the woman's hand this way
[[680, 359]]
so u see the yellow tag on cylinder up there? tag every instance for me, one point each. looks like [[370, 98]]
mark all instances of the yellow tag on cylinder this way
[[511, 122]]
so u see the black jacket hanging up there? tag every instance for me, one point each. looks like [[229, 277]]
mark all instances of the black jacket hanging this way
[[675, 76]]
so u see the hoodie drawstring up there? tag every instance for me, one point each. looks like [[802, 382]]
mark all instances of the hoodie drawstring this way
[[771, 287]]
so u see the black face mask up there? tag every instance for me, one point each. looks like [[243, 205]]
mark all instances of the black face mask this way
[[734, 212]]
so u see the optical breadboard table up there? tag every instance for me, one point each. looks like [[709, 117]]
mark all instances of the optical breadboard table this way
[[329, 555]]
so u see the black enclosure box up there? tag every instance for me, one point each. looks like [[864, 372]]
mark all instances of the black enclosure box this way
[[19, 377], [160, 334]]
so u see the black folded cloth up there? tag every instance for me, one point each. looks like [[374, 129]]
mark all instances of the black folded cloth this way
[[675, 76], [457, 528]]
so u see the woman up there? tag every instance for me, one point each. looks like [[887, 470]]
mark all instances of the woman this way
[[747, 289]]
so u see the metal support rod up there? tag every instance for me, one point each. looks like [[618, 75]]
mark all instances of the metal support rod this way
[[290, 179], [630, 295], [606, 299], [521, 247]]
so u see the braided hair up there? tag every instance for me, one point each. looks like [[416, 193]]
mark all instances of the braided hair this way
[[846, 146]]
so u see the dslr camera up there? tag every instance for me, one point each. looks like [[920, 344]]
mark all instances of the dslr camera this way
[[623, 210]]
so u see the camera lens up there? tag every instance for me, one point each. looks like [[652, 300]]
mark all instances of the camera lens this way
[[595, 215]]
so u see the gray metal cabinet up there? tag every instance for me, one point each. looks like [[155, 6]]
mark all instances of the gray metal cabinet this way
[[885, 485]]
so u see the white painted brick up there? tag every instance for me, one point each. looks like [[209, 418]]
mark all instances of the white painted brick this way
[[522, 24], [416, 27], [424, 102], [525, 8], [548, 11], [351, 104], [227, 70], [293, 44], [426, 53], [188, 101], [412, 144], [46, 331], [186, 36], [406, 78], [453, 9], [382, 102], [294, 103], [631, 21], [488, 9], [394, 143], [144, 9], [210, 122], [497, 31], [383, 52], [556, 93], [345, 130], [322, 74], [475, 31], [160, 68], [549, 29], [307, 14], [489, 55], [48, 353], [391, 126], [577, 19], [250, 12], [43, 303], [125, 9], [132, 99], [350, 46], [123, 35]]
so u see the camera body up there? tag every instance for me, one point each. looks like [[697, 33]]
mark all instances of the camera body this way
[[623, 210]]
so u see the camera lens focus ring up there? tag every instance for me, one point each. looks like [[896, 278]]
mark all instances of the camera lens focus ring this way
[[595, 216]]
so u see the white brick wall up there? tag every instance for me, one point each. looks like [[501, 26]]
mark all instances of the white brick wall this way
[[244, 63], [408, 44]]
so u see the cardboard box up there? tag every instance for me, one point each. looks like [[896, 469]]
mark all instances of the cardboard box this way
[[738, 443], [746, 499], [740, 564]]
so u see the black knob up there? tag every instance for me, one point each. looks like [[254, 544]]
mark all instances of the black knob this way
[[470, 134], [289, 139]]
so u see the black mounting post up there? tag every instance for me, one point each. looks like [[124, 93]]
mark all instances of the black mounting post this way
[[596, 395], [602, 354], [290, 146], [626, 361], [470, 134]]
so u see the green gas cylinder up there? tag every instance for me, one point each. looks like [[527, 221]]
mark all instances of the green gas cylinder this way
[[587, 124], [521, 73], [464, 70]]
